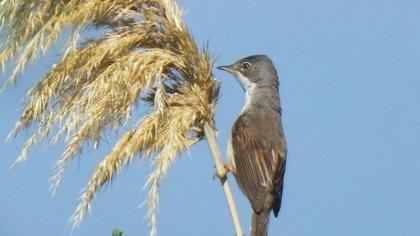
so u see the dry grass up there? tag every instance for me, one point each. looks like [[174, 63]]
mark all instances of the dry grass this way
[[146, 53]]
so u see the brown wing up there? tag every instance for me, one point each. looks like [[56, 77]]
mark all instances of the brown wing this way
[[259, 157]]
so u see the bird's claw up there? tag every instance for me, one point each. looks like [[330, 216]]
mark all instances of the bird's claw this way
[[222, 174]]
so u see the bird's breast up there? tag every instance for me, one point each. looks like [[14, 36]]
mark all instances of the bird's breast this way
[[230, 154]]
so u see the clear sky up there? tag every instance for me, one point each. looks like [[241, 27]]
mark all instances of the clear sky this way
[[350, 88]]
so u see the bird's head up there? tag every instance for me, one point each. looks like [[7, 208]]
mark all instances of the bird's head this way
[[253, 71]]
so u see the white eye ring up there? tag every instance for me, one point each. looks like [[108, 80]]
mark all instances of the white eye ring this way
[[245, 65]]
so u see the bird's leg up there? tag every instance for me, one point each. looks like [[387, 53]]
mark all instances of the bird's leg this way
[[223, 173]]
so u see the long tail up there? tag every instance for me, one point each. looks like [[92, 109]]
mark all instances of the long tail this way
[[259, 226]]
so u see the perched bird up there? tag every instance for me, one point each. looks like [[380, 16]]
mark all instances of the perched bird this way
[[257, 145]]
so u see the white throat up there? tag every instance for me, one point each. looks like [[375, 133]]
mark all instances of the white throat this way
[[249, 89]]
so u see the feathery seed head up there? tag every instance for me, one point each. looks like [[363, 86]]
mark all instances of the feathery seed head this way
[[147, 53]]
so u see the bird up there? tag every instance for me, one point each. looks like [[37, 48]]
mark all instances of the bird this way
[[257, 147]]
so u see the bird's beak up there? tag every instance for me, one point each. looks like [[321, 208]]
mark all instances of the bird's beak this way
[[229, 69]]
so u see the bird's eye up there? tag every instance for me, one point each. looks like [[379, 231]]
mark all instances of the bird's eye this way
[[245, 65]]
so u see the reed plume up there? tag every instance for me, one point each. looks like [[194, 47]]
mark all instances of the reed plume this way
[[146, 53]]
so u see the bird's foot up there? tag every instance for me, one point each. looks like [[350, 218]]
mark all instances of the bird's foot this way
[[223, 173]]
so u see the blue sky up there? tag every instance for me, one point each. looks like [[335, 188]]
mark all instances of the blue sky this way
[[350, 88]]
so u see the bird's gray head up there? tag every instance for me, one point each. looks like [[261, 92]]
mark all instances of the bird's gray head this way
[[254, 71]]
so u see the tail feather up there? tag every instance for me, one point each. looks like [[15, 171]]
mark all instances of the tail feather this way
[[259, 225]]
